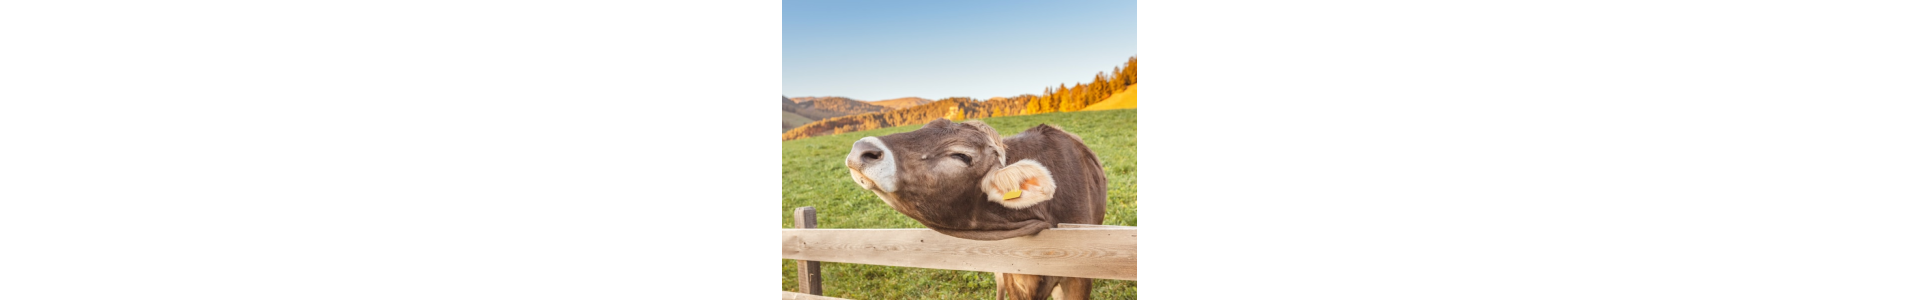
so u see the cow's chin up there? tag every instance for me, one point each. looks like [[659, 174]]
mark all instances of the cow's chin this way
[[1025, 228], [992, 232], [884, 196], [970, 230]]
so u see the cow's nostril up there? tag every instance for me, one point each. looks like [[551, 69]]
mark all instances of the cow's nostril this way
[[866, 151]]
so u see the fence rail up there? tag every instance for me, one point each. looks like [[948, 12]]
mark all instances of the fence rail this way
[[1071, 250]]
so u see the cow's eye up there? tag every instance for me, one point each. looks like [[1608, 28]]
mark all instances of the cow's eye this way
[[962, 157]]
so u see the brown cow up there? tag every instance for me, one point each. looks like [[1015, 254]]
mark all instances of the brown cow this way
[[965, 181]]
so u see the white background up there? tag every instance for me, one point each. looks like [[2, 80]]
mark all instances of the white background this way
[[583, 150]]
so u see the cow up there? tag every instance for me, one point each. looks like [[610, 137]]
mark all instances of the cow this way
[[964, 180]]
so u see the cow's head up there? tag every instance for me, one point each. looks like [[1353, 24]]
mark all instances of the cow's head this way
[[954, 178]]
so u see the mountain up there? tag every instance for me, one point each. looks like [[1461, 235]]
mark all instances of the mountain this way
[[900, 103]]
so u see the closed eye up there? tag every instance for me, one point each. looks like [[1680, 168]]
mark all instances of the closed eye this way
[[962, 157]]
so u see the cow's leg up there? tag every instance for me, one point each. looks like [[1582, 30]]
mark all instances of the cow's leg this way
[[1011, 286], [1000, 285], [1074, 289]]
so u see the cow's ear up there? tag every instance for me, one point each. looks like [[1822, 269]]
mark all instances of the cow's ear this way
[[982, 126], [1019, 185], [993, 139], [939, 122]]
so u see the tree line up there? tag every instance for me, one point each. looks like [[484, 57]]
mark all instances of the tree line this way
[[1072, 98]]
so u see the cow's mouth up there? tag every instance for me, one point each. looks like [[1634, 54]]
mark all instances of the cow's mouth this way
[[861, 179], [867, 183]]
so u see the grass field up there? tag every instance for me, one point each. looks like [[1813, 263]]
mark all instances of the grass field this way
[[814, 175]]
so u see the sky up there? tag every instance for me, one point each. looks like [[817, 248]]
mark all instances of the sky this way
[[878, 50]]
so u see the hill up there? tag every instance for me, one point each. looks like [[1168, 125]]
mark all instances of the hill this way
[[814, 174], [842, 106], [967, 108], [792, 112], [787, 105], [1116, 85], [809, 99], [899, 103], [1123, 100], [795, 114]]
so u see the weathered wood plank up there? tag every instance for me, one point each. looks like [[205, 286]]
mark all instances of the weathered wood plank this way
[[809, 271], [785, 295], [1106, 253], [1071, 225]]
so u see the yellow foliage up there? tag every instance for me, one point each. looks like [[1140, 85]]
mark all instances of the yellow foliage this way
[[1123, 100]]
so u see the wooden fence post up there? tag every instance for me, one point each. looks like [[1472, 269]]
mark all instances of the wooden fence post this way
[[809, 276]]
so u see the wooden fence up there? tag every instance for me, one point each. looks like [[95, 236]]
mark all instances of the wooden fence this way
[[1072, 250]]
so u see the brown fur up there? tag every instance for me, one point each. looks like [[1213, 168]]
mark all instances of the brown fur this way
[[950, 196]]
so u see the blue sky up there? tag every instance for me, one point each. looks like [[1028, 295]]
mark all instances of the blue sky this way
[[877, 50]]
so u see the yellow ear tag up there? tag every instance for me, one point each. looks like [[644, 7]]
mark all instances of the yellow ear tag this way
[[1011, 195]]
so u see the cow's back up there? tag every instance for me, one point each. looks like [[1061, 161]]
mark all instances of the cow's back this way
[[1081, 193]]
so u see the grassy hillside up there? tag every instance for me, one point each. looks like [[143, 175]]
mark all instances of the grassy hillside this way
[[813, 174], [1123, 100], [789, 120]]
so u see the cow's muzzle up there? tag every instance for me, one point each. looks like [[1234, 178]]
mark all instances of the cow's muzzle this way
[[872, 165]]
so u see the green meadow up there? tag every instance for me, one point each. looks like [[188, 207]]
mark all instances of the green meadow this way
[[814, 175]]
